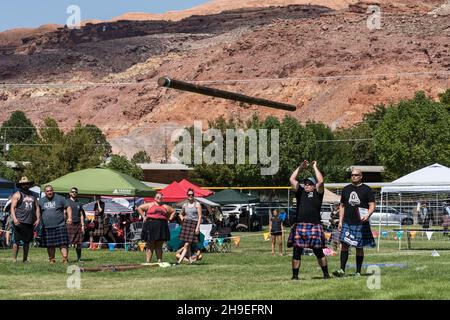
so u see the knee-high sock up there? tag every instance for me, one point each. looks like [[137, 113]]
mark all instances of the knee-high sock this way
[[359, 262], [344, 258]]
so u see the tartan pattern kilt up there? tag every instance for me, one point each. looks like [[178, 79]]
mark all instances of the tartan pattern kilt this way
[[446, 221], [357, 235], [187, 233], [75, 233], [307, 235], [99, 231], [54, 237]]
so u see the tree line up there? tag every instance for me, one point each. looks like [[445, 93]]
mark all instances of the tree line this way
[[52, 153]]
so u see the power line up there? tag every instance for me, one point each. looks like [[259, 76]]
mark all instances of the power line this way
[[344, 140], [234, 81]]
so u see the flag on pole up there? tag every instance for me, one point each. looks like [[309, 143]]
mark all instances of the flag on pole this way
[[399, 235], [435, 254], [327, 235], [429, 234], [266, 236], [412, 234], [237, 241]]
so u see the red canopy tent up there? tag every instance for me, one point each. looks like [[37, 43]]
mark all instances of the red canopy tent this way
[[174, 193], [177, 191], [198, 192]]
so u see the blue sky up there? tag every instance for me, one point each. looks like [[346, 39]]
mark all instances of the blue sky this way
[[33, 13]]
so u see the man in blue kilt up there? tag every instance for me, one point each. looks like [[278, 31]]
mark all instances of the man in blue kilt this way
[[357, 205], [307, 232]]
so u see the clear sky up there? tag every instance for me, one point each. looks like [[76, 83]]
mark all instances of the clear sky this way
[[33, 13]]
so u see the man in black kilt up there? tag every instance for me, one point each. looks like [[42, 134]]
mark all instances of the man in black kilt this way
[[307, 232], [54, 232], [26, 215]]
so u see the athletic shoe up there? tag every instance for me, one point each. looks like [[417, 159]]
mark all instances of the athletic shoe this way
[[339, 273], [294, 278], [327, 276], [358, 275]]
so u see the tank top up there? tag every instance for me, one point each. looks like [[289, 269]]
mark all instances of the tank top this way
[[26, 208], [276, 225], [157, 212], [191, 212]]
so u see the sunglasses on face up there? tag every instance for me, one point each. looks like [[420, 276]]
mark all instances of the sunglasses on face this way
[[309, 184], [356, 175], [190, 194]]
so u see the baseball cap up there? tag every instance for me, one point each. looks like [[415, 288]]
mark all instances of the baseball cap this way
[[312, 179]]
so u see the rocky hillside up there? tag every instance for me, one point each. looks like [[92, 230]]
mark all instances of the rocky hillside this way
[[321, 59]]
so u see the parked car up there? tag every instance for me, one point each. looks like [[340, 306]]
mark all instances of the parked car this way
[[390, 216]]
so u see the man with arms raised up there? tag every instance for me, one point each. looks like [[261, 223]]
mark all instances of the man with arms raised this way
[[307, 231]]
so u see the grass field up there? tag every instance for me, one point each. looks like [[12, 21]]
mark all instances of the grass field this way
[[248, 272]]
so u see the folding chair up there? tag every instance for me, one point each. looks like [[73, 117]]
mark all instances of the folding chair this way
[[134, 235]]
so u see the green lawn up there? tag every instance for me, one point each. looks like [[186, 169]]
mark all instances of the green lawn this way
[[248, 272]]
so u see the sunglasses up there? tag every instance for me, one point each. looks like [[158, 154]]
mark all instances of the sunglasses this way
[[73, 191], [356, 175], [309, 184], [190, 194]]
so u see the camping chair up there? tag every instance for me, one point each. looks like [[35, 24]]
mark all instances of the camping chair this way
[[134, 235], [220, 242]]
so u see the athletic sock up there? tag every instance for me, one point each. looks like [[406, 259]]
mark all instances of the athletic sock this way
[[359, 262], [295, 273], [78, 250], [344, 258]]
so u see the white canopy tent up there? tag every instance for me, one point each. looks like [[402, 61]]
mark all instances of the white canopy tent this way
[[432, 179]]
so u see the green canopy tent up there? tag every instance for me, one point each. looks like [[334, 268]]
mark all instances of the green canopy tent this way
[[101, 181], [229, 196]]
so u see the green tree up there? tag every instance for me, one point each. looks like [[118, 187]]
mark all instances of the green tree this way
[[141, 157], [100, 139], [445, 99], [6, 172], [57, 154], [18, 129], [413, 134], [121, 164]]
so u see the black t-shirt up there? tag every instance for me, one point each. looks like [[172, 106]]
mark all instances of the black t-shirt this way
[[354, 197], [308, 206], [77, 211]]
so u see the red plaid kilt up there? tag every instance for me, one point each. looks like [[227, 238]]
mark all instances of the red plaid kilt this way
[[75, 233], [187, 233], [307, 235]]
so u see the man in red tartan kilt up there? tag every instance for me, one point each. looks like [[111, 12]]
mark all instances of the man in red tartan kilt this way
[[307, 232]]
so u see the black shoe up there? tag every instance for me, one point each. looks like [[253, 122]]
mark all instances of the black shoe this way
[[327, 276], [295, 278]]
